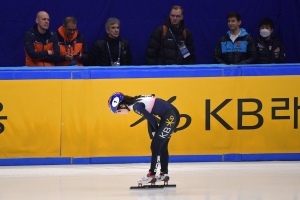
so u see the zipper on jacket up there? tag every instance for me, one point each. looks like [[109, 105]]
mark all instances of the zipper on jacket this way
[[266, 49], [47, 53]]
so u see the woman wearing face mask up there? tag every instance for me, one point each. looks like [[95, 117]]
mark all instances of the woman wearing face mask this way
[[269, 48]]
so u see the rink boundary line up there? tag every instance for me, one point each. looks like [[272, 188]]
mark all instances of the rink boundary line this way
[[146, 159]]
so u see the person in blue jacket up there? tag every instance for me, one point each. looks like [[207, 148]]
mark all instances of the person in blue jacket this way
[[160, 132], [236, 47]]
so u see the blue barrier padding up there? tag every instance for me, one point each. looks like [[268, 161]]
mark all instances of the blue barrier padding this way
[[161, 71], [271, 157], [146, 159], [120, 160], [233, 157], [80, 74], [29, 73], [227, 70], [270, 70], [34, 161], [196, 158], [171, 71], [110, 73], [81, 161], [262, 157], [232, 71]]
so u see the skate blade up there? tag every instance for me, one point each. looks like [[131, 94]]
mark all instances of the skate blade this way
[[153, 186]]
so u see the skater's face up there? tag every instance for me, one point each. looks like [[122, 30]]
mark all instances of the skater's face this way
[[123, 110]]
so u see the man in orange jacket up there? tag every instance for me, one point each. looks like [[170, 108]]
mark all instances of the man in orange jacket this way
[[73, 48], [40, 43]]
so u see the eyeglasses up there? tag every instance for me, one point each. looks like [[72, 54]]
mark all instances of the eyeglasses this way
[[71, 30], [175, 16]]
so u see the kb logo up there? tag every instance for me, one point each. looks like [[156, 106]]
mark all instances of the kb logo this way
[[2, 118], [187, 117]]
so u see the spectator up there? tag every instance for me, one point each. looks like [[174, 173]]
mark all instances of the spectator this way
[[40, 44], [171, 43], [269, 48], [236, 46], [73, 49], [112, 50]]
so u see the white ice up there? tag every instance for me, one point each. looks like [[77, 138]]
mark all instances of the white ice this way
[[199, 181]]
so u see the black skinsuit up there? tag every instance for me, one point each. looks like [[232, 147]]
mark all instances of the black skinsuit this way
[[169, 120]]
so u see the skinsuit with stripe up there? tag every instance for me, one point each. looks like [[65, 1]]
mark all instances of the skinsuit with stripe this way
[[148, 106]]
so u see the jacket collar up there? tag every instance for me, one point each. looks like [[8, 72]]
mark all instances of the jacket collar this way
[[61, 32], [35, 30], [173, 28]]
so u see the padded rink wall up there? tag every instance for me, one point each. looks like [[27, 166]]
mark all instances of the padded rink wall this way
[[60, 116]]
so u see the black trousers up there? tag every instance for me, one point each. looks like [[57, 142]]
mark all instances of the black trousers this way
[[159, 145]]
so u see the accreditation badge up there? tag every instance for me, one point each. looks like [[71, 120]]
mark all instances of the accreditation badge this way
[[184, 51]]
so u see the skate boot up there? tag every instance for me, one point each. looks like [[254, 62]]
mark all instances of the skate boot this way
[[147, 179], [163, 177]]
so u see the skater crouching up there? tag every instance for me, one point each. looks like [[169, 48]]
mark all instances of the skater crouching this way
[[147, 106]]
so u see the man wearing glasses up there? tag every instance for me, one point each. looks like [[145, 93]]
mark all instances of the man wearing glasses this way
[[40, 43], [73, 49], [171, 43]]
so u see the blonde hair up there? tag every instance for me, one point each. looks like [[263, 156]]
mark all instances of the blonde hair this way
[[111, 21], [176, 7]]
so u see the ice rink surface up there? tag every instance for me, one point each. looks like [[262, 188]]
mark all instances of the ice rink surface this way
[[200, 181]]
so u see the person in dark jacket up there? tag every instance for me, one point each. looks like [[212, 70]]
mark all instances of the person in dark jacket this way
[[269, 48], [73, 48], [112, 50], [236, 46], [41, 48], [171, 43]]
